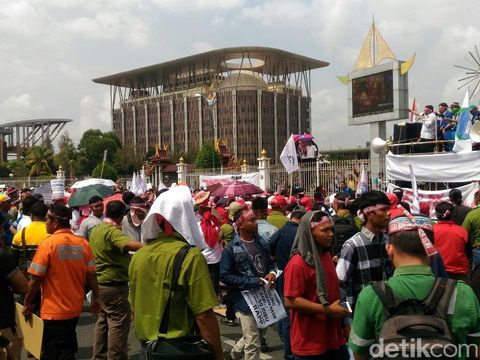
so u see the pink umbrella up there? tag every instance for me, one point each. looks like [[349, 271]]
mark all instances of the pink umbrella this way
[[237, 188]]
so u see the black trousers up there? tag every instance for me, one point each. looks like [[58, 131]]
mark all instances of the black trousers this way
[[59, 339]]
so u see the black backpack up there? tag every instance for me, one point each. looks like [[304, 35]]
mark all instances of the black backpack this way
[[345, 228], [416, 329]]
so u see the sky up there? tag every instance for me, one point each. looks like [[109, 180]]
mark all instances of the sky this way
[[52, 49]]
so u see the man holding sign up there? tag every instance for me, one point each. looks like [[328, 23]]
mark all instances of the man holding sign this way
[[246, 265]]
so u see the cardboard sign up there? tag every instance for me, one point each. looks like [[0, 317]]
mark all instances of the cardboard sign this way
[[58, 188], [266, 306], [32, 331]]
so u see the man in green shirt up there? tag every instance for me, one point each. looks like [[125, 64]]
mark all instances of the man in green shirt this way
[[110, 248], [151, 272], [412, 279], [472, 225], [277, 216]]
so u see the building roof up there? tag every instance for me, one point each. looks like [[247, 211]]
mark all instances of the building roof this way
[[265, 60], [34, 122]]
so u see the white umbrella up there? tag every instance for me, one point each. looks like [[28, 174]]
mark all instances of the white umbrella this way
[[93, 181]]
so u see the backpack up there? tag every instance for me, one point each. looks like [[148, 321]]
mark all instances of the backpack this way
[[345, 228], [415, 329]]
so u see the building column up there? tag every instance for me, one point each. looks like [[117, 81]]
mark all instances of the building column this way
[[122, 113], [275, 124], [377, 129], [259, 121], [172, 128], [159, 125], [234, 123], [147, 131], [299, 114], [182, 171], [215, 122], [134, 129], [288, 114], [200, 122], [264, 170], [185, 117]]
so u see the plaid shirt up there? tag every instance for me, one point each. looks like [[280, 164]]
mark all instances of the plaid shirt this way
[[363, 259]]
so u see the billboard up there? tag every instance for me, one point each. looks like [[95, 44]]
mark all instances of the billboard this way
[[377, 94]]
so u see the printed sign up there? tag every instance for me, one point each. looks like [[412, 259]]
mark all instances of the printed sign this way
[[58, 188], [266, 306]]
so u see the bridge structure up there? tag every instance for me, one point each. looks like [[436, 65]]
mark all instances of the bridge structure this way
[[15, 137]]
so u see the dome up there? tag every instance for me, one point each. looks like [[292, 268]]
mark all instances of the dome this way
[[244, 80]]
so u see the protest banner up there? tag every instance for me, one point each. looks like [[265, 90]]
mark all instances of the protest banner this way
[[206, 180], [58, 188], [266, 306]]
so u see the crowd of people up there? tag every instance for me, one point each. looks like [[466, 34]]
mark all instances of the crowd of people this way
[[341, 264]]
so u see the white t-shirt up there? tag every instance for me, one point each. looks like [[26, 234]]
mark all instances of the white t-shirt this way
[[429, 126], [24, 222], [213, 255]]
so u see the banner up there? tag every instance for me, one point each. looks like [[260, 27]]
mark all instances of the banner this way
[[415, 208], [266, 306], [58, 188], [362, 182], [206, 180], [435, 197], [288, 157], [443, 167], [462, 135]]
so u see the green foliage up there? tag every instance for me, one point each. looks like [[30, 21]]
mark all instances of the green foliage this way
[[109, 172], [39, 161], [4, 170], [127, 161], [92, 145], [17, 168], [207, 157], [68, 156]]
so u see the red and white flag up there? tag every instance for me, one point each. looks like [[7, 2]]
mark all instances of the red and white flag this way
[[413, 117]]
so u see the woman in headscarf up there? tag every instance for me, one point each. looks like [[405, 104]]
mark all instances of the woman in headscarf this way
[[312, 292]]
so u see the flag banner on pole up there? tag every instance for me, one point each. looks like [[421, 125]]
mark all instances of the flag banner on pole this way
[[105, 152], [362, 182], [413, 117], [462, 136], [288, 157], [416, 198]]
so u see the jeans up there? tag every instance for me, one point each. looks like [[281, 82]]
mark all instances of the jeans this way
[[113, 324], [476, 257]]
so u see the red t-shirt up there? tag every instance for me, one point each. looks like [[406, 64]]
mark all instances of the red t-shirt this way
[[312, 334], [450, 240]]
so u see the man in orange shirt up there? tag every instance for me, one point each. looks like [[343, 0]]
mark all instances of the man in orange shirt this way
[[61, 266]]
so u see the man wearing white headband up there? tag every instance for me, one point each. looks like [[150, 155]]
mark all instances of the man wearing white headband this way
[[363, 257]]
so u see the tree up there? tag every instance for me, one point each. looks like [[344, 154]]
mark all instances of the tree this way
[[39, 160], [68, 156], [109, 172], [92, 146], [207, 157], [17, 168], [127, 160]]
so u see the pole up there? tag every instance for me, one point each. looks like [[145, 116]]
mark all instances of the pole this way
[[291, 183], [318, 171], [103, 163]]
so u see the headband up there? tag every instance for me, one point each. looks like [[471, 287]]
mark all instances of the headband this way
[[57, 217], [411, 222], [322, 219], [442, 216], [365, 211]]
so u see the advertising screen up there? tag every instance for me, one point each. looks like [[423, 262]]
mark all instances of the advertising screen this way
[[372, 94]]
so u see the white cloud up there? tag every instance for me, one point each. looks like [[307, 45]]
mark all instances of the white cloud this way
[[192, 5], [94, 114], [200, 46], [19, 107]]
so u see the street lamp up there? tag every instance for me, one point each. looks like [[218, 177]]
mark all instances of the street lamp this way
[[211, 103]]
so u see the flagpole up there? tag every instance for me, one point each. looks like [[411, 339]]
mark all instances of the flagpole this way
[[291, 183]]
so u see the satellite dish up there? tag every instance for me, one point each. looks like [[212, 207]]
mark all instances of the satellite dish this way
[[475, 132], [378, 146]]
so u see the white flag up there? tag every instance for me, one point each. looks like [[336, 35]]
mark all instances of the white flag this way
[[416, 198], [288, 157], [362, 182]]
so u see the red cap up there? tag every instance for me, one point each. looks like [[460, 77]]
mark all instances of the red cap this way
[[279, 200]]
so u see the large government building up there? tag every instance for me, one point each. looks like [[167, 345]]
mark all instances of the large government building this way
[[246, 98]]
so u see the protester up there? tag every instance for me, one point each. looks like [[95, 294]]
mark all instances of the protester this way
[[227, 230], [151, 271], [260, 207], [451, 241], [429, 128], [10, 280], [24, 219], [460, 211], [277, 216], [472, 225], [246, 264], [345, 189], [343, 222], [110, 247], [132, 221], [281, 245], [5, 205], [395, 209], [363, 258], [96, 216], [61, 267], [412, 279], [312, 293]]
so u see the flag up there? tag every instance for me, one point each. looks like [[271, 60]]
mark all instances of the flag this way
[[413, 117], [362, 182], [288, 157], [463, 143], [416, 198], [105, 152]]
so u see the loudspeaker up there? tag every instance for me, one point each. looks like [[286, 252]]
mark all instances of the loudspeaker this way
[[405, 133]]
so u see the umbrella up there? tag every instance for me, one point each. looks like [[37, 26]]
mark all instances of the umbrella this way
[[83, 195], [237, 188], [93, 181], [298, 137], [112, 198]]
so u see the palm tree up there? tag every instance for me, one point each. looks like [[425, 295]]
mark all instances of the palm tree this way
[[38, 160]]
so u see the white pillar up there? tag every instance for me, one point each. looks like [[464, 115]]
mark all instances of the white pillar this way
[[244, 167], [376, 130], [182, 171], [264, 170], [147, 135]]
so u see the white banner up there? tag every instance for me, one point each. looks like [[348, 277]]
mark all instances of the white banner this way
[[206, 180], [443, 167], [266, 306], [435, 197], [58, 188]]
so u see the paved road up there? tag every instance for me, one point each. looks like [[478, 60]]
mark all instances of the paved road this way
[[86, 326]]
